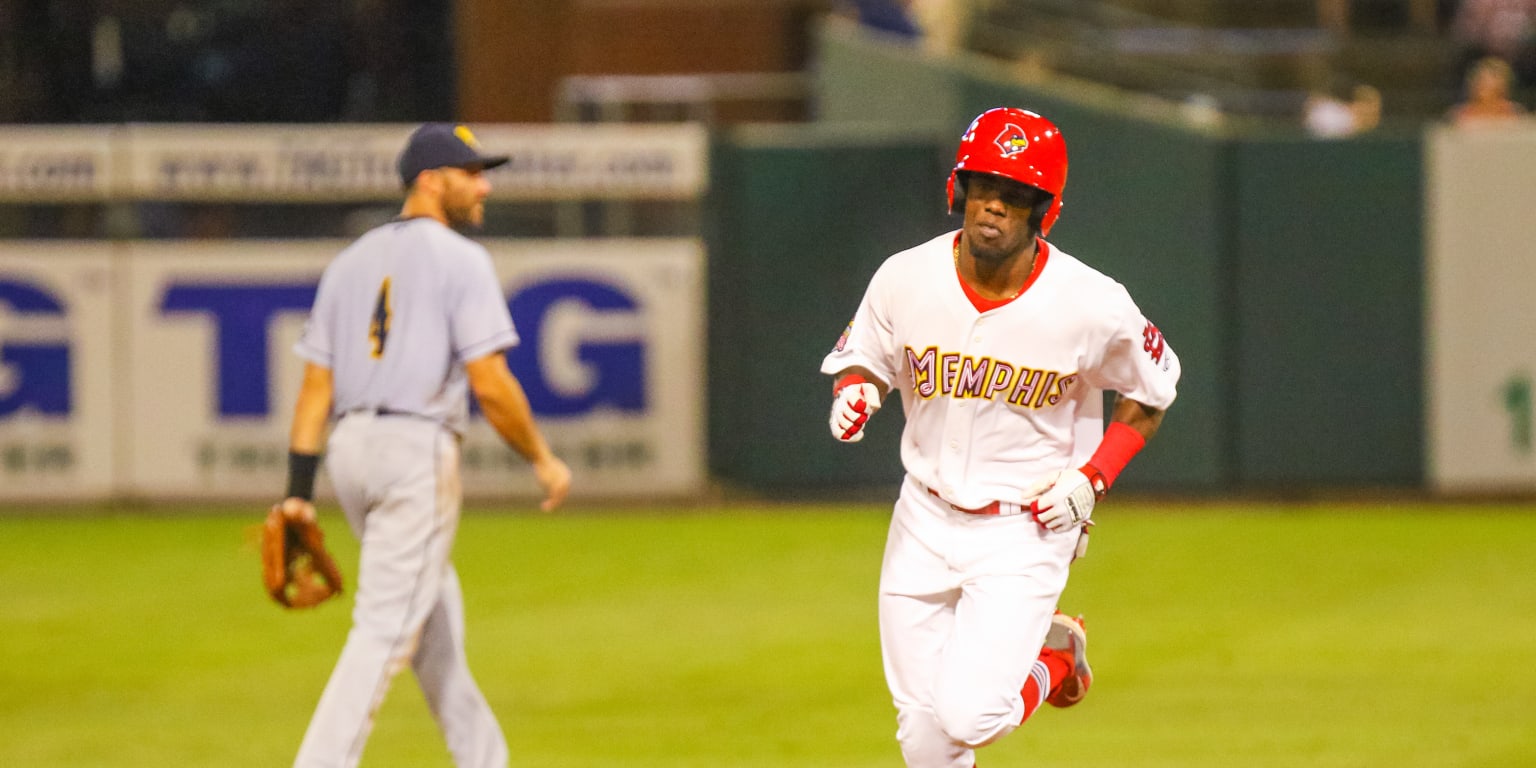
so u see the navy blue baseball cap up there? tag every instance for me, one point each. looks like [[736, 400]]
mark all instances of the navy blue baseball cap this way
[[442, 145]]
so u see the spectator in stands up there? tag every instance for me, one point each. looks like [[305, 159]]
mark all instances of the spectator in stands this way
[[1487, 98], [1502, 28], [1366, 107], [1330, 114], [889, 16], [945, 24]]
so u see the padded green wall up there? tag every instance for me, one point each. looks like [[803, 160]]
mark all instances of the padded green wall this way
[[1286, 272], [1329, 354], [799, 222]]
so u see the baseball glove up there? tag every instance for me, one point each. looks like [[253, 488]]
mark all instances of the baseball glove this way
[[296, 568]]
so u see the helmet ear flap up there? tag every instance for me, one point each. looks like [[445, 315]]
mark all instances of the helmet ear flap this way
[[1037, 219], [957, 191], [1045, 203]]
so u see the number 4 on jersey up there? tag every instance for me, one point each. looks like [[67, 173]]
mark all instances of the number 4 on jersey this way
[[378, 328], [1152, 342]]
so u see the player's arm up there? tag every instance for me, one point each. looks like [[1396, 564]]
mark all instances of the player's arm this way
[[1139, 358], [856, 394], [1065, 500], [861, 375], [1131, 425], [505, 406], [307, 434], [312, 410], [1138, 416]]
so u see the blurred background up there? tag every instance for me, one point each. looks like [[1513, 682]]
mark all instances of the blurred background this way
[[1323, 205], [1320, 202]]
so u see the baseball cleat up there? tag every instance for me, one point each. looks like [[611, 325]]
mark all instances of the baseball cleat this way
[[1069, 639]]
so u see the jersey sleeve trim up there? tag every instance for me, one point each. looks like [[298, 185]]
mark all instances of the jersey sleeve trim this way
[[833, 366], [309, 353], [500, 341]]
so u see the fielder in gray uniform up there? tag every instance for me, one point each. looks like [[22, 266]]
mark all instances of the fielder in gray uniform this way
[[407, 320]]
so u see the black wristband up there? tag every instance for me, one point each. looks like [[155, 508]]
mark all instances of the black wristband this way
[[301, 475]]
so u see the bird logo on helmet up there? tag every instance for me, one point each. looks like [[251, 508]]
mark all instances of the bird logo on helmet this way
[[1012, 140], [1015, 144]]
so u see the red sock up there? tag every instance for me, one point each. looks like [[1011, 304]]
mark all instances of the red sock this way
[[1044, 678]]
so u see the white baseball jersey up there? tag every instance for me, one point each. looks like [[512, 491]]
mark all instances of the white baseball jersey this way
[[399, 313], [995, 400]]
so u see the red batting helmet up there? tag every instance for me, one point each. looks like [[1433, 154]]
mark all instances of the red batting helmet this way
[[1018, 145]]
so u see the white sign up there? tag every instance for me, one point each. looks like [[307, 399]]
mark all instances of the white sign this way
[[165, 369], [1481, 357], [208, 365], [55, 164], [612, 360], [324, 163], [58, 348]]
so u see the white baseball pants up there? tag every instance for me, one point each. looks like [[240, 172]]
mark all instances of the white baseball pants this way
[[965, 603], [398, 482]]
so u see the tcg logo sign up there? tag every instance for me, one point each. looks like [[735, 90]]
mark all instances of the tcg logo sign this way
[[612, 371], [34, 351]]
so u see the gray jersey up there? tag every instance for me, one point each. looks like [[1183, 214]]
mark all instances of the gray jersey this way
[[399, 313]]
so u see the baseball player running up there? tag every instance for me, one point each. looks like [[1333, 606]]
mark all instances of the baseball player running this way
[[408, 319], [1001, 345]]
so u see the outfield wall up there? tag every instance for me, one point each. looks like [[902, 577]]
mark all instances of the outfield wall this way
[[1481, 358], [1348, 312], [165, 370]]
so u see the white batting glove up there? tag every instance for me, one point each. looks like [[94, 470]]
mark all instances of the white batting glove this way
[[1066, 504], [851, 408]]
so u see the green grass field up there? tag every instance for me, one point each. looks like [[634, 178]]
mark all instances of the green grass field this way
[[1222, 636]]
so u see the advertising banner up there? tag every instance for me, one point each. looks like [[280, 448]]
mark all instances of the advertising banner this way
[[51, 164], [208, 366], [612, 360], [58, 389], [165, 369], [1481, 359], [345, 163]]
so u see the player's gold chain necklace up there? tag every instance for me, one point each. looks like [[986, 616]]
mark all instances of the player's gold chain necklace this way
[[1009, 297]]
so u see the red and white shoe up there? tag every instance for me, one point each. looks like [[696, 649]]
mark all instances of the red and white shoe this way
[[1069, 639]]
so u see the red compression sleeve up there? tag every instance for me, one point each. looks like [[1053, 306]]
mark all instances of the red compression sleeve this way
[[1120, 443], [852, 378]]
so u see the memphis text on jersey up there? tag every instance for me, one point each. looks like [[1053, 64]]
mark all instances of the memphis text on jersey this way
[[965, 377]]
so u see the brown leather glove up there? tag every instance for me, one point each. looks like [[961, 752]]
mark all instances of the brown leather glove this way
[[296, 568]]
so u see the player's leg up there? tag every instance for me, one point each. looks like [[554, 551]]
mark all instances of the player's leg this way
[[917, 598], [474, 737], [1066, 655], [978, 691], [912, 635], [1015, 572], [390, 465]]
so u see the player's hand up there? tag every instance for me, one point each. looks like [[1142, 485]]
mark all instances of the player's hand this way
[[295, 508], [851, 408], [555, 478], [1066, 503]]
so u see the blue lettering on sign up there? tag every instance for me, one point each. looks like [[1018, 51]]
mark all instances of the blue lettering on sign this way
[[242, 314], [619, 366], [40, 371]]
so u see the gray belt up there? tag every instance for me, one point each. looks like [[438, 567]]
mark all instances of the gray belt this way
[[385, 412]]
